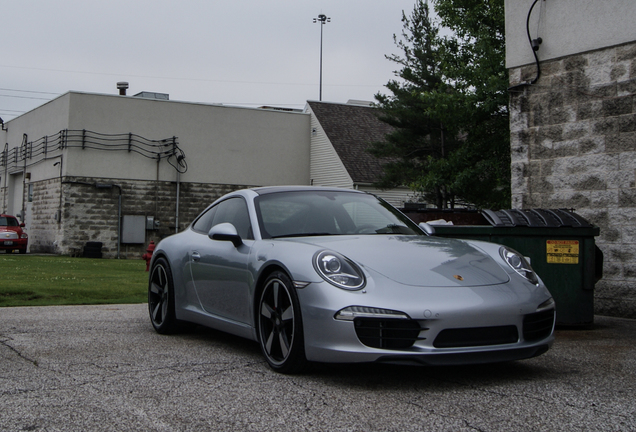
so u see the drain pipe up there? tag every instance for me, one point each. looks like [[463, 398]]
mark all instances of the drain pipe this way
[[176, 219], [118, 222], [59, 209], [5, 157]]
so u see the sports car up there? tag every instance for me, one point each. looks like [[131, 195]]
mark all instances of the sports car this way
[[335, 275]]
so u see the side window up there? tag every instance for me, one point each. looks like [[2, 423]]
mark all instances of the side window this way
[[204, 223], [234, 211]]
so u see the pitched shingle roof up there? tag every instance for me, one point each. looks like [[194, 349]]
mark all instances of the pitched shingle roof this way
[[351, 129]]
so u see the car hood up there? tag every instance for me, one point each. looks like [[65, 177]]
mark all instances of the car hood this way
[[417, 260], [11, 229]]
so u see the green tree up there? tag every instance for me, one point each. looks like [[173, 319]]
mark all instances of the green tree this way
[[450, 108], [420, 137]]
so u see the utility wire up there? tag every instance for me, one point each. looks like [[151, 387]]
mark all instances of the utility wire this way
[[28, 91], [24, 97], [187, 79]]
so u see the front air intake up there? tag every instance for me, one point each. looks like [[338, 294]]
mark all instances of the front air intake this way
[[478, 336], [537, 326], [387, 333]]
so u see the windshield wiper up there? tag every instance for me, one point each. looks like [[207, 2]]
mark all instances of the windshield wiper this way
[[393, 229]]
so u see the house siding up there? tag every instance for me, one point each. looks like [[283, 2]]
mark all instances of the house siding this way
[[326, 167], [396, 197]]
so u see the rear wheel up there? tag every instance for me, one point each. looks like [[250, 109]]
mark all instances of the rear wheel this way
[[161, 298], [280, 328]]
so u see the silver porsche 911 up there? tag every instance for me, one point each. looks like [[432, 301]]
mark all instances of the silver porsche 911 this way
[[334, 275]]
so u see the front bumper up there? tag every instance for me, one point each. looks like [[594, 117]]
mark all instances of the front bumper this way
[[12, 244], [456, 325]]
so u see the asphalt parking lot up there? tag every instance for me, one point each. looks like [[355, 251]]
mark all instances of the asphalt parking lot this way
[[103, 368]]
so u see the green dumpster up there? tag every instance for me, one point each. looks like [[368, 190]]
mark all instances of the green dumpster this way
[[561, 248]]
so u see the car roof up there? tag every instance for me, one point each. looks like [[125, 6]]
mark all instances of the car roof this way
[[275, 189]]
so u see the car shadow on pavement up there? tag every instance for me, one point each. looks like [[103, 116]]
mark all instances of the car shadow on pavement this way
[[368, 375], [371, 375], [218, 338]]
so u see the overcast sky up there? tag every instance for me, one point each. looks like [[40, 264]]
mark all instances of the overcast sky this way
[[238, 52]]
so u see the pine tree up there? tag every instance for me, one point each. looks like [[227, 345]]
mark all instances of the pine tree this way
[[450, 107]]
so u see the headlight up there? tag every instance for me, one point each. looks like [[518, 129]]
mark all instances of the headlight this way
[[338, 270], [24, 235], [519, 264]]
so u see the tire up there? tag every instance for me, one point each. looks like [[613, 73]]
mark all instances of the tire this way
[[23, 251], [161, 298], [280, 327]]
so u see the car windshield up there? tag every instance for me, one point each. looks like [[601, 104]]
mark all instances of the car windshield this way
[[317, 213], [8, 221]]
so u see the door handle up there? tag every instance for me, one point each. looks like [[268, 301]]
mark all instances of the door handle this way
[[196, 256]]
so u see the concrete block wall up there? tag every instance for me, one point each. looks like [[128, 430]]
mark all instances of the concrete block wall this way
[[44, 229], [573, 144], [90, 213]]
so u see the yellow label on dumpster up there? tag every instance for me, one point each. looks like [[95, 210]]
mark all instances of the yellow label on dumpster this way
[[562, 251]]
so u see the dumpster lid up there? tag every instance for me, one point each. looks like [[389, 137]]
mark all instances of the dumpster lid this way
[[535, 218]]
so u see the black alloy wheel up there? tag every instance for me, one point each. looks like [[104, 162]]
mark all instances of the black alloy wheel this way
[[280, 329], [161, 298]]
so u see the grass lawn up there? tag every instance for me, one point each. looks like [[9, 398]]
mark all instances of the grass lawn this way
[[30, 280]]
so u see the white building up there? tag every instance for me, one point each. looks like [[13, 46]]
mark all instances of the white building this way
[[67, 163], [124, 170]]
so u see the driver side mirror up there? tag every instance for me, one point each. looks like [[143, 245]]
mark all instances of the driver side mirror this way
[[225, 232]]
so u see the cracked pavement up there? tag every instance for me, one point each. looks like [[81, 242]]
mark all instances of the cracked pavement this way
[[103, 368]]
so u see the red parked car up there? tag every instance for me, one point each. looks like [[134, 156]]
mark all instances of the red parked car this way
[[12, 236]]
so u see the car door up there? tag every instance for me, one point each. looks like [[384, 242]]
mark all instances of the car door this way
[[219, 269]]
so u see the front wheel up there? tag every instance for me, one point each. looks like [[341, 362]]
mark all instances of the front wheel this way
[[161, 298], [280, 328]]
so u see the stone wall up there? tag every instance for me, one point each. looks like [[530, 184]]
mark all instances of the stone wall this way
[[90, 213], [45, 229], [573, 143]]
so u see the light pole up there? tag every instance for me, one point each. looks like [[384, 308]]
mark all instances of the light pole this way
[[322, 19]]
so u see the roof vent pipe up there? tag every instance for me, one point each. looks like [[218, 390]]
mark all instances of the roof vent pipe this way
[[122, 86]]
